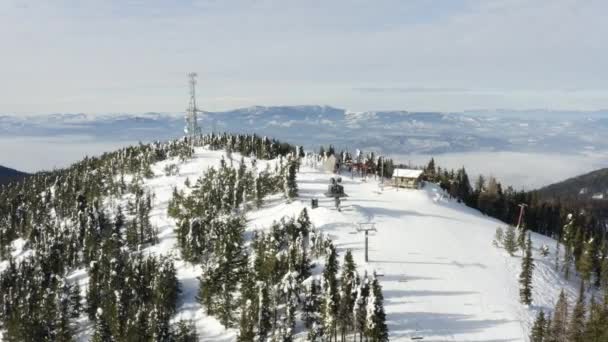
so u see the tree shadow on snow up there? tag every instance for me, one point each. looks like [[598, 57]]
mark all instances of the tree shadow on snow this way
[[452, 263], [405, 278], [408, 324], [397, 213]]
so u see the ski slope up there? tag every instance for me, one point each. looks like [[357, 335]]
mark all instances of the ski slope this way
[[442, 278]]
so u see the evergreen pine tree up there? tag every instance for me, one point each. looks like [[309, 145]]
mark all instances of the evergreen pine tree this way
[[331, 298], [510, 241], [102, 332], [557, 254], [93, 296], [538, 332], [132, 234], [312, 305], [184, 331], [290, 185], [376, 329], [522, 234], [585, 261], [559, 323], [74, 298], [264, 315], [348, 286], [63, 328], [576, 328], [359, 310], [525, 277], [568, 238], [119, 221], [596, 327], [247, 323]]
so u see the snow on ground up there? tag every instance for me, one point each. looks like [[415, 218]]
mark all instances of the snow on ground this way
[[442, 278], [161, 185]]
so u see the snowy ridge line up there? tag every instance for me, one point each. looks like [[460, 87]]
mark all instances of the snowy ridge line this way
[[442, 278]]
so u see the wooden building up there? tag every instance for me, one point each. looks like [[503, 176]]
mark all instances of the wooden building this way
[[330, 164], [407, 178]]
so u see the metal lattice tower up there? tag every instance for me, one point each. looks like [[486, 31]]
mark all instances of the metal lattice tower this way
[[192, 128]]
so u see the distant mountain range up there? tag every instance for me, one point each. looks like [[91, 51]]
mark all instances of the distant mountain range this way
[[8, 175], [590, 186], [396, 132]]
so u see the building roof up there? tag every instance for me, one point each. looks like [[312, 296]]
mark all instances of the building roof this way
[[407, 173]]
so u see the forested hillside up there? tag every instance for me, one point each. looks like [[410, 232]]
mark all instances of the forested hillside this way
[[103, 251], [8, 175], [213, 238], [590, 186]]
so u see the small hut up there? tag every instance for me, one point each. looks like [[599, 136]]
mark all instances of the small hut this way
[[407, 178], [330, 164]]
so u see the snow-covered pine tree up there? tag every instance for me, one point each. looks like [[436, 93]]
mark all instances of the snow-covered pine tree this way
[[538, 331], [568, 238], [376, 329], [166, 287], [312, 305], [576, 326], [360, 306], [138, 328], [510, 240], [93, 295], [247, 322], [290, 289], [596, 327], [264, 319], [290, 185], [102, 331], [604, 272], [525, 277], [331, 296], [258, 191], [586, 260], [119, 221], [304, 264], [161, 330], [348, 290], [557, 254], [522, 234], [75, 298], [498, 237], [132, 234], [64, 331], [558, 329], [184, 331]]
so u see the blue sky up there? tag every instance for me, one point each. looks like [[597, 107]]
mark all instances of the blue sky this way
[[132, 56]]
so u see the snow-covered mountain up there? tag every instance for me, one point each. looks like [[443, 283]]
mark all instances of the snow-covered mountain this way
[[396, 132], [442, 278]]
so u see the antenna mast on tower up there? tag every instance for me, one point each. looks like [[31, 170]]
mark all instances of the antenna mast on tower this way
[[192, 128]]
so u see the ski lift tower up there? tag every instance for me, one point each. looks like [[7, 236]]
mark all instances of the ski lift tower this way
[[192, 129], [366, 227], [522, 207]]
